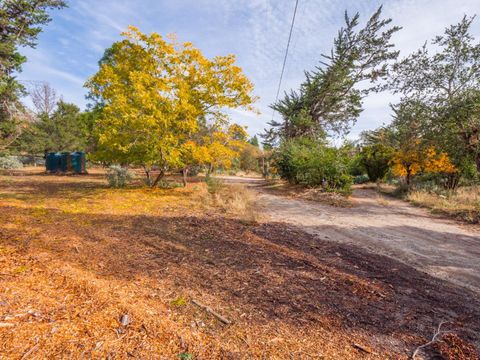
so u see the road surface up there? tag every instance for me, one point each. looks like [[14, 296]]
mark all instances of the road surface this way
[[440, 247]]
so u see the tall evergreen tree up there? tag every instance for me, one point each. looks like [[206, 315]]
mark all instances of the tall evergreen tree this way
[[63, 130], [20, 23], [330, 99]]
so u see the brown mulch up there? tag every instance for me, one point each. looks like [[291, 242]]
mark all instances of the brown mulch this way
[[67, 278]]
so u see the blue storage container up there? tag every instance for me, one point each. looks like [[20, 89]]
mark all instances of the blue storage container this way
[[65, 162], [53, 162], [78, 162], [63, 165]]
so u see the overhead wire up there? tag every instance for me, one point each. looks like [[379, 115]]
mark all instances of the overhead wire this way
[[286, 55]]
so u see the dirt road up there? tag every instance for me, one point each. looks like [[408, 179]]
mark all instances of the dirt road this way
[[440, 247]]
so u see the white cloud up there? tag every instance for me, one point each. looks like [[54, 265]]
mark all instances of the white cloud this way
[[255, 30]]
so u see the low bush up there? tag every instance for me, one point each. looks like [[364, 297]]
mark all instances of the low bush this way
[[118, 177], [361, 179], [10, 163], [313, 163], [164, 184]]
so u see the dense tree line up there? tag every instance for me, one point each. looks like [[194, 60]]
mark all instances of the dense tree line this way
[[155, 103], [159, 104], [435, 129], [329, 102]]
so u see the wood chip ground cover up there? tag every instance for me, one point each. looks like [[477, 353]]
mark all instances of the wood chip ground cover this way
[[76, 256]]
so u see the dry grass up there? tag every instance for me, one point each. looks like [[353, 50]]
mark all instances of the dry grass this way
[[382, 201], [236, 200], [463, 203]]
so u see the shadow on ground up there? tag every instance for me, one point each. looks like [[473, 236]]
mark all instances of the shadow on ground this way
[[270, 272]]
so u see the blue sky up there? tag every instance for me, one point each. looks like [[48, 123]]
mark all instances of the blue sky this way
[[255, 31]]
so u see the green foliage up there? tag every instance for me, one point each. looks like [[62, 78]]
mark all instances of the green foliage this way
[[376, 159], [356, 167], [446, 84], [179, 302], [86, 122], [118, 177], [21, 22], [185, 356], [63, 130], [254, 141], [10, 163], [361, 179], [312, 163], [330, 100], [214, 185], [164, 184], [156, 95]]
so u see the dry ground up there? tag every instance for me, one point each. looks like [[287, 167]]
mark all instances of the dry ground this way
[[75, 256], [437, 245]]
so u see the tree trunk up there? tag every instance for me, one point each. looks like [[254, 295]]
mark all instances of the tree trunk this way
[[210, 169], [184, 176], [477, 162], [158, 178], [452, 181], [149, 178], [408, 177], [265, 168]]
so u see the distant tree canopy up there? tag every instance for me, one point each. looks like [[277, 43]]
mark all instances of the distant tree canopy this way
[[61, 130], [376, 159], [162, 104], [20, 23]]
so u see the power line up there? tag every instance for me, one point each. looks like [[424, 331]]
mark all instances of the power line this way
[[286, 55]]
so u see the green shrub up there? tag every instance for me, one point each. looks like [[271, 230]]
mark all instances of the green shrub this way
[[214, 185], [361, 179], [356, 166], [194, 170], [118, 177], [10, 163], [164, 184], [376, 159], [313, 163]]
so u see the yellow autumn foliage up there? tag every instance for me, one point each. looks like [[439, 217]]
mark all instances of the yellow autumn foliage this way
[[153, 92], [408, 162]]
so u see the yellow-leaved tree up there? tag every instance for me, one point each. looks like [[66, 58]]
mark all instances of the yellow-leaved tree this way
[[409, 161], [214, 146], [154, 93]]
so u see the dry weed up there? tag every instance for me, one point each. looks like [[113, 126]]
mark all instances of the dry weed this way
[[464, 203], [236, 200]]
